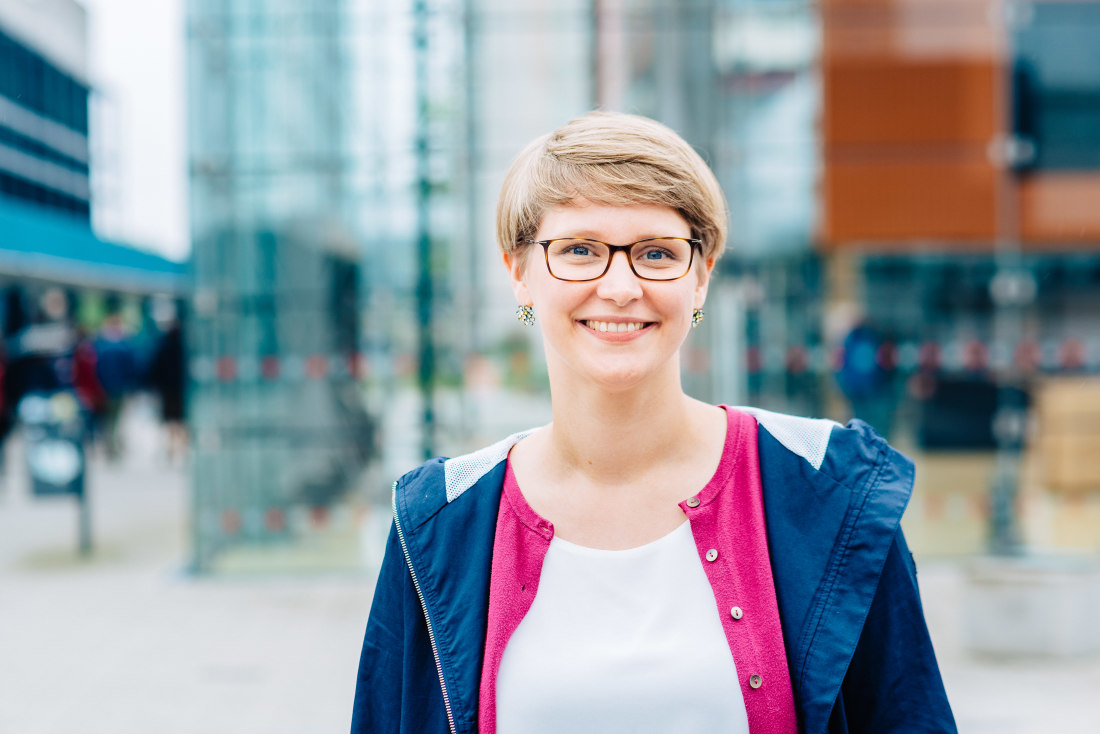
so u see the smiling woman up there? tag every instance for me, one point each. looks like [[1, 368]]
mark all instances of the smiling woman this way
[[645, 562]]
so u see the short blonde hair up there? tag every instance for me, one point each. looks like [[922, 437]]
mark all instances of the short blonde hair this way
[[616, 159]]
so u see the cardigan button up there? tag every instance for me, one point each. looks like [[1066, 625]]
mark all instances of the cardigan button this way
[[693, 502], [736, 613], [712, 555], [755, 681]]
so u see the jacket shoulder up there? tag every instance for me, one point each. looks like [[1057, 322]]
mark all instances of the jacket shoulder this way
[[852, 454], [421, 493]]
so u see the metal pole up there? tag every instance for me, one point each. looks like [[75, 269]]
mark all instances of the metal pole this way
[[1011, 291], [424, 285], [85, 520], [472, 294]]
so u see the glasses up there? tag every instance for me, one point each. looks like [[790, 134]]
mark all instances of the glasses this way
[[578, 259]]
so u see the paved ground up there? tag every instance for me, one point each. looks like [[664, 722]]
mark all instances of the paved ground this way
[[125, 642]]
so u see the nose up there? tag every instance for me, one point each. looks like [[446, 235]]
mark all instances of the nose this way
[[619, 284]]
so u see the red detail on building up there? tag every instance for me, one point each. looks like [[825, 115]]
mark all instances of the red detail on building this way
[[318, 515], [836, 359], [975, 355], [357, 366], [316, 367], [935, 507], [929, 356], [753, 362], [797, 359], [979, 504], [1071, 354], [275, 519], [887, 356], [269, 367], [1028, 355], [231, 522], [227, 369]]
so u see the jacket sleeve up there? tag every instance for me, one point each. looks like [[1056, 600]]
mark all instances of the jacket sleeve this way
[[893, 683]]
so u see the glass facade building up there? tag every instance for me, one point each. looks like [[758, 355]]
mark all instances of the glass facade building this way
[[348, 153], [43, 120], [280, 427]]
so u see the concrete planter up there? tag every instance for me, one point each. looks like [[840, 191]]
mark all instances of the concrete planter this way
[[1033, 606]]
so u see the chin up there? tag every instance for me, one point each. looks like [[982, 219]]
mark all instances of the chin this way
[[613, 378]]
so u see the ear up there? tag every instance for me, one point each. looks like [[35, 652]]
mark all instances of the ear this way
[[704, 281], [516, 262]]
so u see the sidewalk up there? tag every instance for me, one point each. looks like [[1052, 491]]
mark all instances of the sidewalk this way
[[989, 696], [125, 642]]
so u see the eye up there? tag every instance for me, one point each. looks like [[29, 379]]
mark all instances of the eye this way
[[575, 249], [656, 255]]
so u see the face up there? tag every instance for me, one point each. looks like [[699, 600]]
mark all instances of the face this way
[[617, 331]]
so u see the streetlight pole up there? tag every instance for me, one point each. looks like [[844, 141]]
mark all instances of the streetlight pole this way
[[425, 291], [1012, 289]]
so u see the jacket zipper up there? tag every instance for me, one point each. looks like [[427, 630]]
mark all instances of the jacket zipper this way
[[428, 619]]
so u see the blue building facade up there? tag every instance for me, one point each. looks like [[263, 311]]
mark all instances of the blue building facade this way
[[44, 156]]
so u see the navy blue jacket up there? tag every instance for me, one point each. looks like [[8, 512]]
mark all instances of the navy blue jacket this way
[[858, 649]]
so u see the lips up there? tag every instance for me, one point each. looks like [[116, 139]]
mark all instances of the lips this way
[[616, 327]]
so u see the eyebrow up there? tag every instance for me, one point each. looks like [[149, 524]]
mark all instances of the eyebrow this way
[[587, 236]]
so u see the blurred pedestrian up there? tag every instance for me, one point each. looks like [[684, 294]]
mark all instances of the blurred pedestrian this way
[[89, 390], [645, 562], [116, 368], [866, 378], [168, 377]]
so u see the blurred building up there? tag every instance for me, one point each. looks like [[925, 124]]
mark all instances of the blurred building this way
[[45, 168], [281, 433], [961, 176], [909, 166], [44, 105]]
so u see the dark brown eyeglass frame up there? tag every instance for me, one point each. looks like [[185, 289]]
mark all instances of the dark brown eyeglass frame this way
[[611, 250]]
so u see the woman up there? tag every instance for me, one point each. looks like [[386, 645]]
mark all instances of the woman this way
[[645, 562]]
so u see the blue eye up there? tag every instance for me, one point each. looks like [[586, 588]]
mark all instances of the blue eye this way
[[578, 250], [656, 255]]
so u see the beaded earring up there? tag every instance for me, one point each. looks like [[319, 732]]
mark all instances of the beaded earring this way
[[526, 315]]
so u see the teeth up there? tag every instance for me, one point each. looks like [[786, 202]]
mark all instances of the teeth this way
[[614, 326]]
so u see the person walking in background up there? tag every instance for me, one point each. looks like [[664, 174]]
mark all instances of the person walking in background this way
[[646, 562], [89, 391], [168, 377], [116, 368]]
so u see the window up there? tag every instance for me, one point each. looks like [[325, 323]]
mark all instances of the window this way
[[1056, 84]]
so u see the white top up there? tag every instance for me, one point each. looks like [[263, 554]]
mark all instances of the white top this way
[[621, 641]]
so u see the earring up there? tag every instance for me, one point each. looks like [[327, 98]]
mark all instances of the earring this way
[[526, 315], [696, 316]]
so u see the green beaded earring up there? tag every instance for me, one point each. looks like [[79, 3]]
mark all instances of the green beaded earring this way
[[526, 315]]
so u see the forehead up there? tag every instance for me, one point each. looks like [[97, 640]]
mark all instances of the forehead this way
[[612, 223]]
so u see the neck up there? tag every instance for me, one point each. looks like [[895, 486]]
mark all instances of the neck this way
[[611, 438]]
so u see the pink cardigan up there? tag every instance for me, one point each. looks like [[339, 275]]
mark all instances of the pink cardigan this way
[[727, 519]]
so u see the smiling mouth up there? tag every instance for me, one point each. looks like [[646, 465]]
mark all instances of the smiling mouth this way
[[616, 326]]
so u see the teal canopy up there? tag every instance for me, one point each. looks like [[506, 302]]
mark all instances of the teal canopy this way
[[36, 242]]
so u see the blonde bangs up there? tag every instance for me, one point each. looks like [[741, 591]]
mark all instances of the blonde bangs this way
[[613, 159]]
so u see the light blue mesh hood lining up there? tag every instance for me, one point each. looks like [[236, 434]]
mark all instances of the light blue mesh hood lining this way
[[807, 437], [463, 472]]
